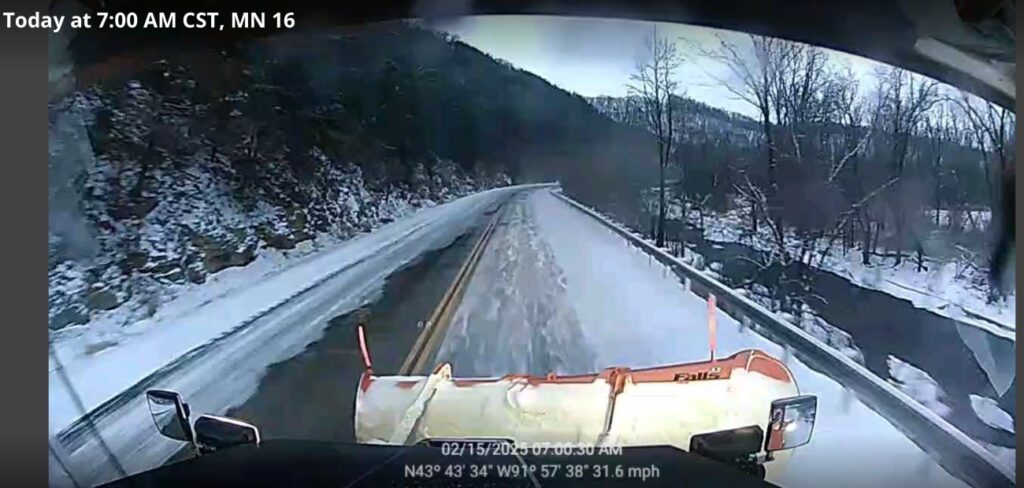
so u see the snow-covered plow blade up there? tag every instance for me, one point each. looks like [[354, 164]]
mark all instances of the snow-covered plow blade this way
[[666, 405]]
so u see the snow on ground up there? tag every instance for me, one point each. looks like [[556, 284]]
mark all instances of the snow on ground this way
[[1006, 455], [938, 289], [102, 361], [111, 328], [970, 220], [634, 312]]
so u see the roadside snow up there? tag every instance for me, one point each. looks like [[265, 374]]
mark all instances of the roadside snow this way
[[939, 289], [104, 359], [114, 326], [1006, 455]]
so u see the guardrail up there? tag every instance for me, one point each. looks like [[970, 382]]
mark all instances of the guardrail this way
[[954, 450]]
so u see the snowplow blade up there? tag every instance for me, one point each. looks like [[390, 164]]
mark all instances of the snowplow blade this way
[[664, 405]]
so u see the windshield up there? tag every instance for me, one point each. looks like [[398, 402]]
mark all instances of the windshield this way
[[531, 195]]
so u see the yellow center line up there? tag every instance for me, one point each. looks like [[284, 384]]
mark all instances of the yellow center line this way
[[434, 331]]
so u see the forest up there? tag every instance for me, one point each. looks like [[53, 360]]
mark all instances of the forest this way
[[894, 168]]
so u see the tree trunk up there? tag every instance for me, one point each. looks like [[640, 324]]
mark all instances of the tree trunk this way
[[920, 257], [865, 251], [660, 239], [938, 188], [900, 223], [753, 217], [772, 169], [848, 237], [874, 238]]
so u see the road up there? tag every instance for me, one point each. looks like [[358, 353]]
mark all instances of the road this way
[[217, 374], [325, 374], [554, 291]]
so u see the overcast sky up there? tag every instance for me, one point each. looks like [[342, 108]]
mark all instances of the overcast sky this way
[[596, 56]]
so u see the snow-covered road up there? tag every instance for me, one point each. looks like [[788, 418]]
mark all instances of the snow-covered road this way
[[216, 353], [557, 291], [520, 299]]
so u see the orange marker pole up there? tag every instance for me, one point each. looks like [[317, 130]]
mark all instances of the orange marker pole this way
[[363, 349], [712, 323]]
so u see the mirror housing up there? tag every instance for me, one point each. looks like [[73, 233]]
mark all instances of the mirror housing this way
[[727, 445], [736, 447], [213, 432], [791, 423], [170, 414]]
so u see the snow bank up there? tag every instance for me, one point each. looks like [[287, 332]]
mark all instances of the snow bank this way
[[1006, 455]]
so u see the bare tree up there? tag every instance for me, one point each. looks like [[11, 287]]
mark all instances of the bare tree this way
[[904, 100], [754, 74], [943, 128], [653, 83], [993, 129]]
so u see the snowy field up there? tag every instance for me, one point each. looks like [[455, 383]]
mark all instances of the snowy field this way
[[608, 303], [213, 344], [938, 289]]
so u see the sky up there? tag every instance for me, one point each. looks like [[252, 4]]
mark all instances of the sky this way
[[592, 57]]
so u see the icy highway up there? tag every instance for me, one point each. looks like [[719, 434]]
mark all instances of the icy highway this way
[[554, 290], [557, 291]]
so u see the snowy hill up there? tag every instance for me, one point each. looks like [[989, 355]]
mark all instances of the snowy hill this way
[[156, 214], [696, 119], [191, 161]]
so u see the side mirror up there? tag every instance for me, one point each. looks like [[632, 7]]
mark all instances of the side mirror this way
[[736, 447], [728, 445], [213, 432], [170, 414], [791, 423]]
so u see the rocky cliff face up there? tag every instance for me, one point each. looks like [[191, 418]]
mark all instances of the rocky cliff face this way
[[158, 181]]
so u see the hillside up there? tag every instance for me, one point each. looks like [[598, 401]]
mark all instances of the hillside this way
[[694, 116], [198, 161], [712, 145]]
